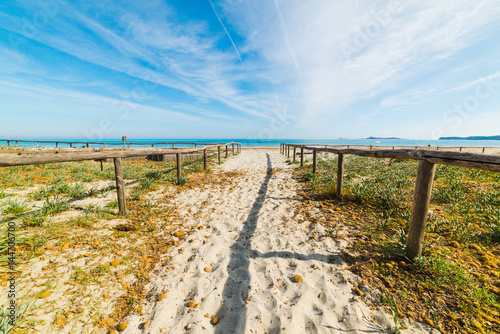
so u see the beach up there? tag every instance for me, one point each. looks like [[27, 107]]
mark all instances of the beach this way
[[240, 264], [254, 244]]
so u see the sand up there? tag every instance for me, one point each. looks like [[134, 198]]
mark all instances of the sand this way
[[239, 267]]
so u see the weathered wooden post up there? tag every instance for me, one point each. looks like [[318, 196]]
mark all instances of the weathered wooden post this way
[[16, 143], [288, 153], [421, 201], [294, 153], [218, 154], [179, 171], [340, 174], [173, 145], [71, 145], [205, 158], [8, 143], [226, 152], [120, 188], [484, 148], [87, 145], [315, 161], [233, 148], [152, 145], [57, 144], [128, 145], [102, 167], [301, 156], [36, 143], [195, 145], [124, 139]]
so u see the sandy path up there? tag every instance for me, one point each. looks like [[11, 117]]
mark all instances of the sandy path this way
[[253, 247]]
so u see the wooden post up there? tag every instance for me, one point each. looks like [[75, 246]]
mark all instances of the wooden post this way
[[105, 145], [71, 145], [233, 148], [205, 159], [179, 172], [226, 151], [421, 201], [294, 153], [36, 144], [87, 144], [340, 174], [173, 145], [57, 144], [484, 148], [102, 167], [152, 145], [460, 149], [315, 161], [8, 143], [301, 156], [218, 153], [128, 145], [195, 145], [16, 143], [120, 188], [124, 139]]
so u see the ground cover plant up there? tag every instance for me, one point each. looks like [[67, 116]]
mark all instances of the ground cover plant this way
[[82, 266], [455, 285]]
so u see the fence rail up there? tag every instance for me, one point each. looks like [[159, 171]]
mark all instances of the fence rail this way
[[9, 160], [123, 143], [425, 176]]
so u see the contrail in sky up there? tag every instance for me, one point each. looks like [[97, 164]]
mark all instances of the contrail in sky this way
[[227, 33], [347, 39], [287, 40]]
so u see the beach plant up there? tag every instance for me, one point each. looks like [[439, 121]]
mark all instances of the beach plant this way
[[394, 310], [494, 231], [182, 181], [2, 194], [112, 204], [54, 206], [6, 326], [146, 184], [16, 207], [154, 174], [77, 190], [34, 219]]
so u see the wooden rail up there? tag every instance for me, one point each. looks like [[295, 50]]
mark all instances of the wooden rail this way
[[9, 160], [123, 143], [424, 182]]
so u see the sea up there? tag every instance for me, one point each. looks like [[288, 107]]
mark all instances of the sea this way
[[265, 142]]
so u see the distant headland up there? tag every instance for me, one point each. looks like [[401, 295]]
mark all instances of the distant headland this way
[[384, 138], [472, 138]]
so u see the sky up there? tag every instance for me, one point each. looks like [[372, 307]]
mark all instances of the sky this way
[[253, 69]]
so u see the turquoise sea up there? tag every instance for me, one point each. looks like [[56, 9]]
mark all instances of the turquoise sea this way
[[276, 142]]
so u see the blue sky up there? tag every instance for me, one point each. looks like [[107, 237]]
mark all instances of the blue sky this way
[[315, 69]]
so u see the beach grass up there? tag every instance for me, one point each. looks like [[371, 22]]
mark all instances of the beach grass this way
[[454, 285]]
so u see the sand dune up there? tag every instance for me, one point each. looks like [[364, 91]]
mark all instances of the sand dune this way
[[239, 268]]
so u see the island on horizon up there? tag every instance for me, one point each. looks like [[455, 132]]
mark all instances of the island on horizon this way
[[472, 138]]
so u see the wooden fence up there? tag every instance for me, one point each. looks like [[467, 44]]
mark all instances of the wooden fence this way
[[425, 176], [123, 143], [8, 160]]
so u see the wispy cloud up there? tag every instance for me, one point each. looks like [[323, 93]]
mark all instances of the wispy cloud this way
[[227, 32], [294, 51]]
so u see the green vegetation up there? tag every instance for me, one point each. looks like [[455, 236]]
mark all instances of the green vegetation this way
[[16, 207]]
